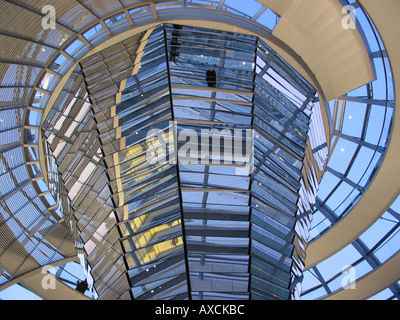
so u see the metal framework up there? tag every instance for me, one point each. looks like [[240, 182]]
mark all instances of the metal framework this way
[[204, 230]]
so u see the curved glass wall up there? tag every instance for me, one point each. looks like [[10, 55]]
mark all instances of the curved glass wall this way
[[363, 120], [373, 248], [176, 217], [362, 126], [387, 294]]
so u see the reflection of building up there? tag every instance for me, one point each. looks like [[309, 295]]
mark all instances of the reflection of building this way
[[78, 103]]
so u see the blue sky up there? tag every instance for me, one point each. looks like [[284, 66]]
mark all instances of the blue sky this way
[[17, 292]]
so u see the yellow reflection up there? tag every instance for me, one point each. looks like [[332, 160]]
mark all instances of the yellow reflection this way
[[150, 148], [140, 158], [146, 255], [298, 132], [145, 237], [146, 159]]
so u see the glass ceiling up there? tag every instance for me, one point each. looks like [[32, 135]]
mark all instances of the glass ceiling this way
[[154, 238], [362, 126], [362, 122], [361, 119], [215, 201]]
